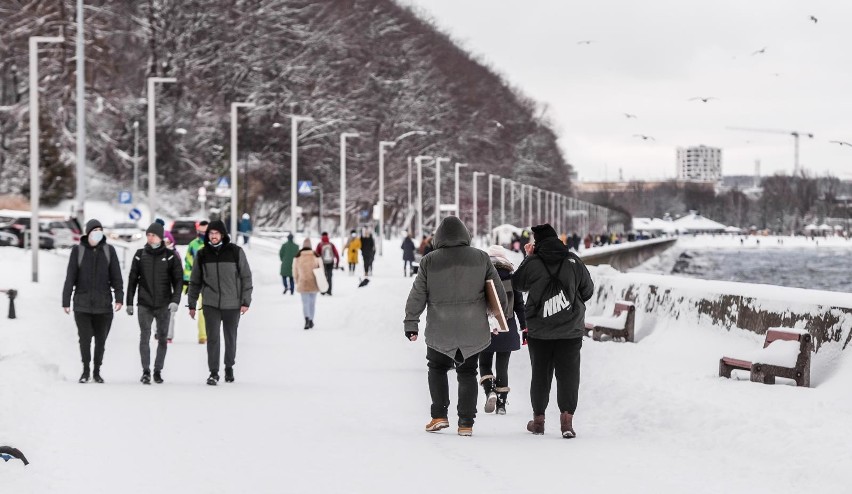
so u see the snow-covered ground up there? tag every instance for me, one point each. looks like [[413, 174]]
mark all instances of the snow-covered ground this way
[[341, 408]]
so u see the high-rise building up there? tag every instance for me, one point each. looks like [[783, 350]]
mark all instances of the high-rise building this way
[[699, 164]]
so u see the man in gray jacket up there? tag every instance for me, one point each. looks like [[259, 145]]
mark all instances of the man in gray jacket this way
[[451, 283], [221, 274]]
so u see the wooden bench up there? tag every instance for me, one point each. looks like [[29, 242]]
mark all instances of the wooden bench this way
[[620, 325], [765, 366]]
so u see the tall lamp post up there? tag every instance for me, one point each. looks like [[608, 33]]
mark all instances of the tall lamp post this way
[[438, 190], [502, 201], [458, 205], [490, 202], [381, 205], [81, 115], [152, 144], [35, 182], [419, 161], [476, 205], [343, 137], [234, 153], [294, 149], [135, 160]]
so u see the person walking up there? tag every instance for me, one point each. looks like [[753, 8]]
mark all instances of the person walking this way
[[502, 344], [304, 263], [169, 242], [408, 249], [191, 253], [368, 251], [451, 283], [222, 276], [286, 254], [93, 277], [156, 271], [353, 245], [557, 284], [330, 258], [245, 228]]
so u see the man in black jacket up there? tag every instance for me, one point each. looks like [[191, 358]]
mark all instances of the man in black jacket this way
[[557, 285], [157, 272], [93, 275]]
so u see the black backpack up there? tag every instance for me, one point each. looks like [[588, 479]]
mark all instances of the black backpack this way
[[555, 305]]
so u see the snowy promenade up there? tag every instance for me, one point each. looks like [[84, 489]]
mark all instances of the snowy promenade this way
[[341, 408]]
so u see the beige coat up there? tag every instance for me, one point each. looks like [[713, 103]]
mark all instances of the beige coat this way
[[303, 271]]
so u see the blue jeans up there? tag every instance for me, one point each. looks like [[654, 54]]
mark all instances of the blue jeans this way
[[309, 305], [289, 283]]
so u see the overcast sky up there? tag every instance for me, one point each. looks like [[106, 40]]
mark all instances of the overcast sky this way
[[649, 57]]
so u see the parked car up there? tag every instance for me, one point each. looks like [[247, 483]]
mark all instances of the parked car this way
[[55, 229], [183, 230], [63, 236], [127, 232]]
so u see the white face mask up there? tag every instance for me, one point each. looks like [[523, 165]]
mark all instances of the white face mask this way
[[95, 237]]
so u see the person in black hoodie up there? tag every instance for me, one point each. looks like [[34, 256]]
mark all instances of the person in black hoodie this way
[[157, 272], [94, 277], [557, 285], [502, 344], [222, 276]]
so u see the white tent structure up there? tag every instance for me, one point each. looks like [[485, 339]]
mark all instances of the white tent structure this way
[[811, 227], [502, 235], [695, 223], [825, 228]]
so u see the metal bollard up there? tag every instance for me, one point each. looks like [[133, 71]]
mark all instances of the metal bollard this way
[[12, 294]]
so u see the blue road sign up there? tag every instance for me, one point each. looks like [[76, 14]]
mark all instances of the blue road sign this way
[[365, 214], [125, 197], [223, 183], [135, 214], [305, 187]]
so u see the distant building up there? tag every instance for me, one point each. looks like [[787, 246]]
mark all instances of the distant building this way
[[699, 164]]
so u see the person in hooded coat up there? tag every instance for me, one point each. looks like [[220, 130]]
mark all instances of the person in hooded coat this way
[[353, 245], [555, 331], [304, 263], [330, 258], [408, 249], [451, 284], [286, 254]]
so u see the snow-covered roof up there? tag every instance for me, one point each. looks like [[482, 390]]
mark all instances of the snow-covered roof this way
[[811, 227], [653, 225], [694, 222], [825, 227], [733, 229]]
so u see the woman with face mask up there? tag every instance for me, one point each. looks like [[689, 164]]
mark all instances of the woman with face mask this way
[[94, 279], [353, 245]]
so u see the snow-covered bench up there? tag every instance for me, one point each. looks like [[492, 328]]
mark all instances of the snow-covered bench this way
[[618, 325], [786, 353]]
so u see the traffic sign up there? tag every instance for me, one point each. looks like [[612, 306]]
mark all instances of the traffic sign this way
[[305, 187], [125, 197], [135, 214], [365, 214], [223, 187]]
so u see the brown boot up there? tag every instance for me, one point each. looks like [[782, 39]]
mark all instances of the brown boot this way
[[437, 424], [566, 423], [536, 425]]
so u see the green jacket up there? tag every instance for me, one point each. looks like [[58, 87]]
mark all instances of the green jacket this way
[[191, 251], [287, 254]]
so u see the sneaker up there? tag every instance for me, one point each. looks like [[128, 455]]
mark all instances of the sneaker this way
[[84, 377], [229, 374], [146, 377], [213, 379], [536, 425], [158, 378], [435, 425], [465, 427], [566, 423], [96, 376]]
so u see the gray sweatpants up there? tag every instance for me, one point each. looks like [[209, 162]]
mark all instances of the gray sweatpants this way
[[229, 319], [147, 316]]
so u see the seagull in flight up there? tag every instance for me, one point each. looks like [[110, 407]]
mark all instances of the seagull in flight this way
[[630, 115], [704, 99], [585, 42], [644, 137], [759, 52], [813, 18], [842, 143]]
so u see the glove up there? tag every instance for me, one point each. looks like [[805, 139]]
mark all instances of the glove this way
[[129, 310], [524, 336], [173, 307], [409, 334]]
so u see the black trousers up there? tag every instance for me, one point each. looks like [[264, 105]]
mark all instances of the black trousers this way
[[229, 319], [486, 359], [439, 387], [368, 265], [329, 269], [563, 358], [92, 326]]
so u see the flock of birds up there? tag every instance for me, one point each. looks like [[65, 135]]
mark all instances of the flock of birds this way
[[706, 99]]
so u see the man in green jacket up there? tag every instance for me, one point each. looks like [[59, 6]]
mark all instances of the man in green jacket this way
[[191, 253], [287, 253]]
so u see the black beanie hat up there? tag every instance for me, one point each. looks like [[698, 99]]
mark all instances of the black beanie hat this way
[[157, 229], [541, 232], [91, 225], [218, 226]]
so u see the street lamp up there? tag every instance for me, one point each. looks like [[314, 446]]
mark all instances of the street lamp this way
[[81, 115], [419, 161], [503, 200], [135, 160], [458, 166], [476, 204], [35, 182], [234, 151], [343, 137], [294, 138], [381, 205], [438, 190], [490, 202], [152, 146]]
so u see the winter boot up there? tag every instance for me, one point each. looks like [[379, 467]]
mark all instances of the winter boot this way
[[487, 383], [502, 393], [466, 427], [84, 377], [435, 425], [536, 425], [213, 379], [146, 377], [307, 323], [566, 423], [158, 378], [229, 374], [96, 376]]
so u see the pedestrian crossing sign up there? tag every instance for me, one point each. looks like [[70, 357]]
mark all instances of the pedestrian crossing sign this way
[[305, 188]]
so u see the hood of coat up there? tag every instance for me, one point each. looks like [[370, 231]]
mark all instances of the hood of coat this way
[[219, 226], [304, 250], [451, 233], [551, 250], [501, 263]]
